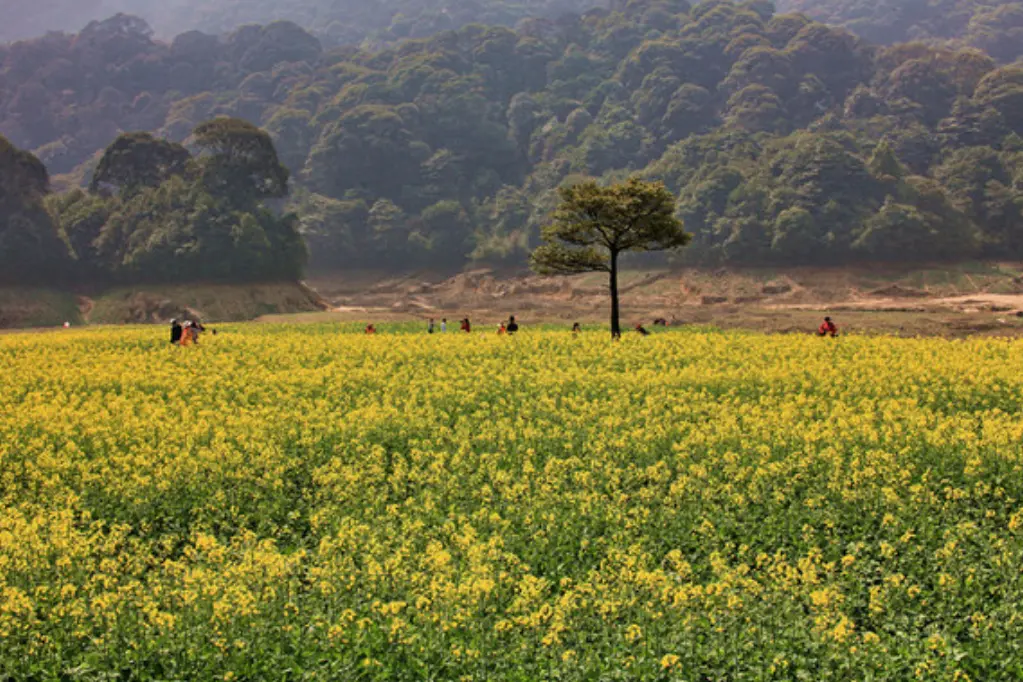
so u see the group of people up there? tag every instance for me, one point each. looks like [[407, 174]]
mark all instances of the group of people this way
[[465, 325], [827, 328], [185, 333]]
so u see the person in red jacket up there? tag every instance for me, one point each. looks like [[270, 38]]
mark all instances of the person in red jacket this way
[[827, 328], [466, 326], [370, 329]]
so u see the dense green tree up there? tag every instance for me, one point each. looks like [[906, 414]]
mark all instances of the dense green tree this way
[[31, 248], [443, 231], [81, 218], [240, 160], [998, 30], [884, 165], [992, 25], [1002, 90], [137, 160], [593, 226], [336, 232]]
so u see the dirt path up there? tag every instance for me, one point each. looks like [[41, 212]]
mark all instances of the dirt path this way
[[85, 306]]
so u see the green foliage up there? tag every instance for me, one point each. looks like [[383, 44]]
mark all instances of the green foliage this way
[[137, 160], [181, 219], [995, 26], [783, 138], [239, 161], [31, 248]]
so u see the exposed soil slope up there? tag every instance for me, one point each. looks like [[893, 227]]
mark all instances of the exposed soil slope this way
[[947, 300], [21, 308]]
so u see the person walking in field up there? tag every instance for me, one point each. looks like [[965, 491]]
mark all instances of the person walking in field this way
[[194, 328], [370, 329], [466, 326], [642, 330], [430, 329], [502, 330], [444, 325], [827, 328], [513, 326], [176, 330], [186, 334], [576, 328]]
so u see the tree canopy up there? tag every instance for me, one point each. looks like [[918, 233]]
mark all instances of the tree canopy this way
[[31, 248], [138, 160], [155, 213], [995, 26], [593, 226], [785, 140]]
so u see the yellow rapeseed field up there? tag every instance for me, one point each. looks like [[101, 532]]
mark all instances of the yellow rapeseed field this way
[[298, 503]]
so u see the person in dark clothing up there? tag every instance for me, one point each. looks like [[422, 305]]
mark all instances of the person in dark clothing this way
[[576, 328], [175, 331], [827, 328], [513, 326], [466, 326], [431, 327], [641, 330]]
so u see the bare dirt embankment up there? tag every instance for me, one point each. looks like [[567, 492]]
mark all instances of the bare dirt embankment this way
[[941, 300], [26, 308], [961, 300]]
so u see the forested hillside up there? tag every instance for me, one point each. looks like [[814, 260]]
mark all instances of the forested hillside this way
[[786, 140], [153, 213], [992, 25], [335, 22]]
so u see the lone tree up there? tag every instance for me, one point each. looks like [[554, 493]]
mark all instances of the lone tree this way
[[594, 225]]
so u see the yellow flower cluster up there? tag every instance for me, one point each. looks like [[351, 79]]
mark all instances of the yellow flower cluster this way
[[291, 500]]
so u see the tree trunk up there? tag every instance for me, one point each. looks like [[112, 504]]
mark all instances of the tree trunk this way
[[616, 329]]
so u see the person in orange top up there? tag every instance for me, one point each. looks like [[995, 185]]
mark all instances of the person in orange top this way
[[827, 328], [186, 335], [502, 329], [370, 329]]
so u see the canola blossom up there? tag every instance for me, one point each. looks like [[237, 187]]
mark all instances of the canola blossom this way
[[295, 503]]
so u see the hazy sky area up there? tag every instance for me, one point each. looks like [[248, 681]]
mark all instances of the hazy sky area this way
[[30, 18]]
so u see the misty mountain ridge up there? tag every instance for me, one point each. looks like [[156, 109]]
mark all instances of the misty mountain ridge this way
[[334, 22], [991, 25]]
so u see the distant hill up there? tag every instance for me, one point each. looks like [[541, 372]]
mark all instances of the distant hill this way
[[335, 22], [786, 140], [995, 26]]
